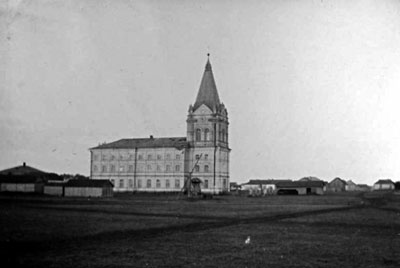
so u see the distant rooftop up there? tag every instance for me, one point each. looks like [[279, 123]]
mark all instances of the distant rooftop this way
[[22, 170], [176, 142]]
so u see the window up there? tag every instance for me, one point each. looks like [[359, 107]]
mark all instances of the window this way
[[149, 167], [198, 134], [139, 183], [177, 157], [205, 184], [177, 167], [167, 168], [148, 183], [121, 157], [112, 181], [206, 168], [112, 168], [158, 184], [167, 183], [121, 168], [197, 168], [223, 135], [224, 184], [158, 168], [112, 157], [197, 157], [130, 183], [103, 168], [149, 157], [140, 157], [177, 183], [130, 169], [95, 168], [168, 156], [95, 157], [103, 157], [158, 157], [206, 157], [206, 134], [121, 183], [130, 156]]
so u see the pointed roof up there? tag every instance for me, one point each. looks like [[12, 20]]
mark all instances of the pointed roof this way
[[208, 93]]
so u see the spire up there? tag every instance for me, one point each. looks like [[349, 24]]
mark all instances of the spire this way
[[208, 93]]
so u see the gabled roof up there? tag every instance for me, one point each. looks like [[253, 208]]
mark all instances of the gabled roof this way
[[208, 94], [302, 184], [338, 179], [384, 182], [310, 178], [89, 183], [176, 142], [258, 182], [22, 170]]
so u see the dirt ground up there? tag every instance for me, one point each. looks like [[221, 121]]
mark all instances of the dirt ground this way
[[164, 231]]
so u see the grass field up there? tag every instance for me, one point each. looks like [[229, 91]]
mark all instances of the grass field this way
[[163, 231]]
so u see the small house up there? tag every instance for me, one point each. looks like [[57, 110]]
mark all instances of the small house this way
[[383, 185], [336, 185], [89, 188]]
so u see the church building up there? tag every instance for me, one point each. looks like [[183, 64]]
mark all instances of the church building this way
[[163, 164]]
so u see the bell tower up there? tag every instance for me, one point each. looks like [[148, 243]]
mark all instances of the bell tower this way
[[207, 135]]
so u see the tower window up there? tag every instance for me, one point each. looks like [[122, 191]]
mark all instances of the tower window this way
[[206, 134], [223, 135], [198, 134]]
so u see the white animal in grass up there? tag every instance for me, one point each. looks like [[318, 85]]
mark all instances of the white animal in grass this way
[[247, 241]]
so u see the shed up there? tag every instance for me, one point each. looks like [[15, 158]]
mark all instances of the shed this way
[[21, 183], [89, 188], [261, 187], [54, 188], [301, 187], [383, 185]]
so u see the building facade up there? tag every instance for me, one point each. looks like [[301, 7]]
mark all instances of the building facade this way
[[164, 164]]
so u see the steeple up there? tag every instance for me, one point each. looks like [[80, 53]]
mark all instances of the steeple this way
[[208, 93]]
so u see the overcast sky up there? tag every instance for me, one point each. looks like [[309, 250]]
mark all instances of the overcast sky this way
[[312, 88]]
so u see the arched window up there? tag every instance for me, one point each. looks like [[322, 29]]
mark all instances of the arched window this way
[[223, 135], [206, 169], [198, 134], [206, 134]]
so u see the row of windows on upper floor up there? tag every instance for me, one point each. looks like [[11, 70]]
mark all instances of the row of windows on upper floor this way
[[149, 183], [132, 157], [148, 168], [207, 135]]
